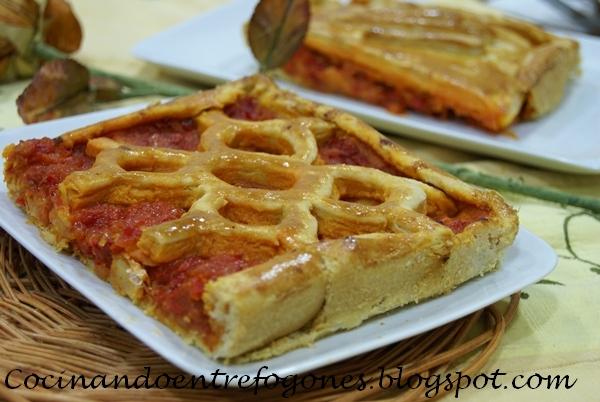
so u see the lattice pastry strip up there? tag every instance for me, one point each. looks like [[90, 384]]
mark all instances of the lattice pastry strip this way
[[308, 201]]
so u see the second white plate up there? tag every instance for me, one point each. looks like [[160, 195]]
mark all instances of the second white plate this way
[[211, 48]]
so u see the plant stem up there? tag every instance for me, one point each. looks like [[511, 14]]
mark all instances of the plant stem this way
[[514, 186], [138, 92], [142, 87]]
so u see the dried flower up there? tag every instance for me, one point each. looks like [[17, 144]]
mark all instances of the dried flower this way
[[22, 23]]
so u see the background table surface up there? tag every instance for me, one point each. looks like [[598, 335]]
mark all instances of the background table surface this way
[[557, 329]]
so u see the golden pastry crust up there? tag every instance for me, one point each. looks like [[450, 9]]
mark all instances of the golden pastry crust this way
[[252, 238], [480, 66]]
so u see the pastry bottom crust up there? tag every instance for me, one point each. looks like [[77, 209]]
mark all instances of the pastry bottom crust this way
[[293, 301], [351, 288]]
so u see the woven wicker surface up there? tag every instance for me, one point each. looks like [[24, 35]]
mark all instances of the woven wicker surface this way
[[47, 328]]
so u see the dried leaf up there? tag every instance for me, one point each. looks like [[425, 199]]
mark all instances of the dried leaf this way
[[7, 50], [59, 88], [106, 89], [20, 13], [276, 30], [61, 28], [22, 23], [18, 25]]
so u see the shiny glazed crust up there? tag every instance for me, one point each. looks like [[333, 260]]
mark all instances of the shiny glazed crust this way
[[366, 259], [475, 64]]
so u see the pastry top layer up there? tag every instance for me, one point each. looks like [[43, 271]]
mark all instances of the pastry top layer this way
[[305, 123], [297, 199], [479, 55], [278, 201], [259, 185]]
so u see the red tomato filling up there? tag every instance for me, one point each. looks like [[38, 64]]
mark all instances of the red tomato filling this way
[[105, 229], [344, 149], [467, 215], [167, 133], [40, 166], [248, 108], [177, 287], [323, 73]]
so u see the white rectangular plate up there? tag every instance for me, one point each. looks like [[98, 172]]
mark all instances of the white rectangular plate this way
[[211, 48], [527, 261]]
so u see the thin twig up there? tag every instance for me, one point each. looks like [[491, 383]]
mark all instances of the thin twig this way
[[514, 186]]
